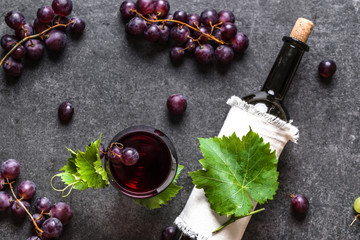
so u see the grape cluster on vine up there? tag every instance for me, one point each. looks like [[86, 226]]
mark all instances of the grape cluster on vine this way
[[192, 33], [49, 28], [48, 221]]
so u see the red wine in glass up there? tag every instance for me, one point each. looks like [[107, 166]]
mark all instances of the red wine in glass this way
[[155, 169]]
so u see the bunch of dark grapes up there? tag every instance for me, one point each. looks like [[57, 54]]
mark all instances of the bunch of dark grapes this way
[[23, 43], [48, 220], [209, 35]]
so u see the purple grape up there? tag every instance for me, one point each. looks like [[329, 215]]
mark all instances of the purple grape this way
[[34, 238], [52, 228], [202, 38], [7, 42], [62, 211], [300, 204], [10, 169], [20, 33], [115, 155], [204, 54], [65, 112], [45, 14], [60, 20], [226, 16], [39, 27], [180, 16], [240, 42], [209, 17], [176, 104], [26, 190], [168, 233], [18, 53], [217, 34], [193, 20], [39, 220], [327, 68], [228, 31], [177, 53], [5, 201], [13, 67], [2, 182], [126, 9], [15, 19], [224, 54], [136, 26], [62, 7], [42, 204], [152, 33], [180, 34], [164, 34], [130, 156], [162, 8], [145, 6], [190, 46], [102, 151], [56, 40], [34, 49], [78, 25], [18, 210], [170, 24]]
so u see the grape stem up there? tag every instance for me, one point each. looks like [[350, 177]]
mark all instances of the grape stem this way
[[355, 219], [197, 29], [39, 35], [37, 229]]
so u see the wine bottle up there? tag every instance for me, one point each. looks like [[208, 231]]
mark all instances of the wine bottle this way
[[270, 98]]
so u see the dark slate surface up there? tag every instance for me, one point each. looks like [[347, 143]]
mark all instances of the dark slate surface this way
[[115, 81]]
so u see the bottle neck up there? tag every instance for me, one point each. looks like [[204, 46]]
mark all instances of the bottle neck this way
[[284, 68]]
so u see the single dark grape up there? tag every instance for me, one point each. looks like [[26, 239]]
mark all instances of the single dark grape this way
[[190, 46], [52, 228], [26, 28], [300, 204], [26, 190], [56, 40], [228, 30], [102, 151], [226, 16], [115, 155], [209, 17], [130, 156], [162, 8], [5, 201], [224, 54], [2, 182], [152, 33], [39, 220], [177, 53], [13, 67], [10, 169], [34, 49], [204, 54], [126, 9], [60, 20], [39, 27], [18, 53], [62, 7], [136, 26], [78, 25], [327, 68], [180, 16], [18, 210], [7, 42], [193, 20], [164, 34], [168, 233], [240, 42], [176, 104], [170, 24], [45, 14], [180, 34], [42, 204], [14, 19], [202, 38], [217, 34], [145, 6], [34, 238], [65, 112], [62, 211]]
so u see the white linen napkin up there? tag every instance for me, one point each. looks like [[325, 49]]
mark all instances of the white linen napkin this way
[[197, 218]]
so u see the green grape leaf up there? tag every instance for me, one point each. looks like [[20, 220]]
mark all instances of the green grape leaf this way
[[236, 170], [162, 198]]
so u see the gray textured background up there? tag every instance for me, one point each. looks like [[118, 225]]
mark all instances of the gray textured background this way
[[115, 81]]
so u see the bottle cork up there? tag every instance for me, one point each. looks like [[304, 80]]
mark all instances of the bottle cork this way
[[302, 29]]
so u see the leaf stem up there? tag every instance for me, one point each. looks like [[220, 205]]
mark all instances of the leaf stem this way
[[62, 190]]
